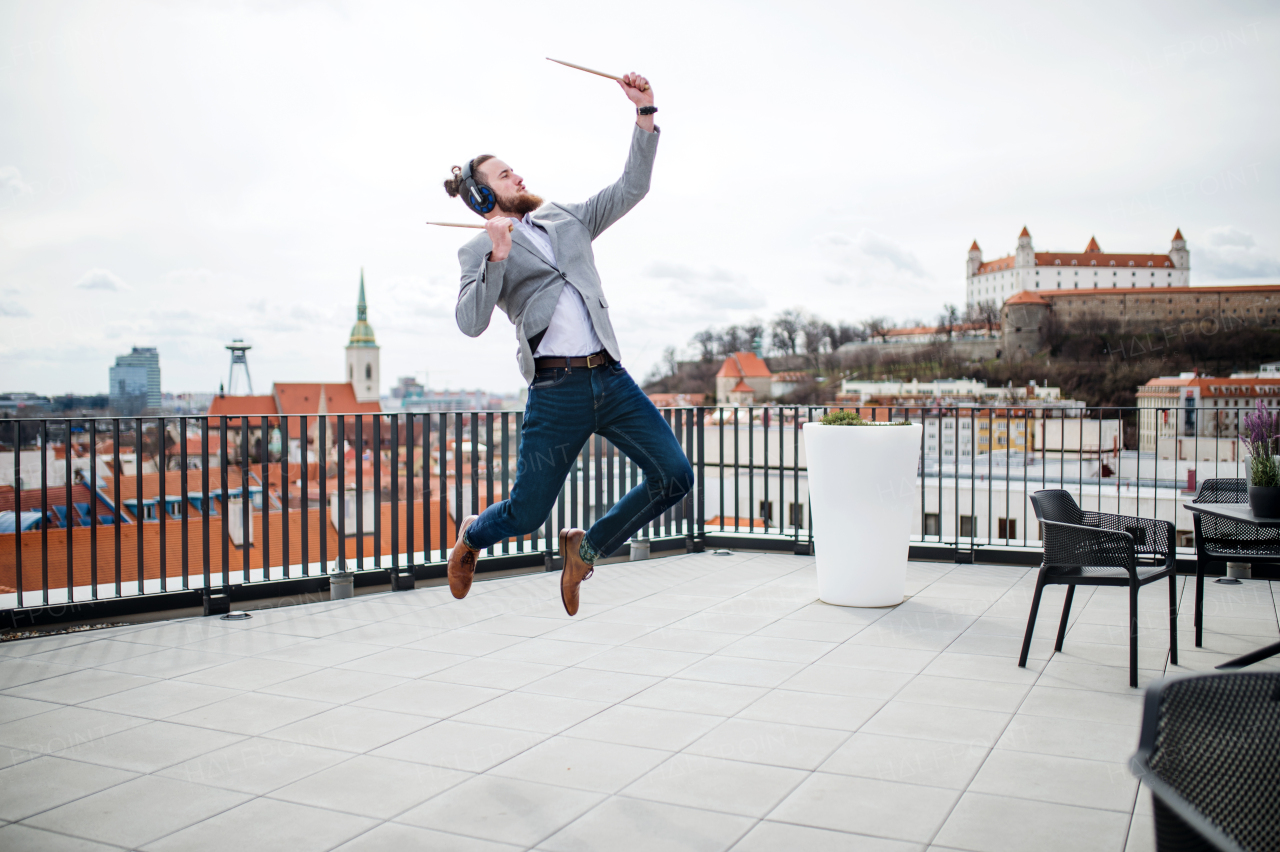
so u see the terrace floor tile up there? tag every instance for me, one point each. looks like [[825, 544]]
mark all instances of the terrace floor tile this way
[[698, 702], [505, 810]]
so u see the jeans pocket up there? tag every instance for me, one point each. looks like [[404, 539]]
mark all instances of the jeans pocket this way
[[544, 379]]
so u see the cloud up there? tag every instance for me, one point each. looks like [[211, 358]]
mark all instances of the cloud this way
[[1231, 253], [1226, 235], [11, 182], [866, 257], [101, 279], [682, 272], [712, 288], [13, 309], [188, 278], [896, 255]]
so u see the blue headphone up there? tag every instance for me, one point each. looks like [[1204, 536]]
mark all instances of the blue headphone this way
[[478, 197]]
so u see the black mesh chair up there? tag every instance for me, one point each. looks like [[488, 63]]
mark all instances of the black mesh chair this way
[[1224, 540], [1096, 549], [1210, 753]]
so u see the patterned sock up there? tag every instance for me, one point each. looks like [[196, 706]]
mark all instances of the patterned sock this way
[[587, 551]]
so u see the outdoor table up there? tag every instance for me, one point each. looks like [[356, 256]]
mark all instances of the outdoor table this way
[[1239, 512]]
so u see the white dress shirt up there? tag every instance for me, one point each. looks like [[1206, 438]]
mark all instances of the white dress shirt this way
[[570, 334]]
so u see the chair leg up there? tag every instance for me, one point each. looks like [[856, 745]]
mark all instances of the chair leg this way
[[1031, 620], [1199, 603], [1066, 613], [1133, 635], [1173, 619]]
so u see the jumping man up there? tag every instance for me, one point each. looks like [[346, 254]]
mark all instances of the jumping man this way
[[534, 261]]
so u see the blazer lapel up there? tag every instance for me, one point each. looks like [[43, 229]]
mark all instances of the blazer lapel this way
[[520, 238], [550, 227]]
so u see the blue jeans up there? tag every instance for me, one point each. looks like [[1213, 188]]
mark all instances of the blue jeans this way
[[566, 406]]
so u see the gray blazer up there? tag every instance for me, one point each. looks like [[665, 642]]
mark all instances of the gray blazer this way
[[526, 286]]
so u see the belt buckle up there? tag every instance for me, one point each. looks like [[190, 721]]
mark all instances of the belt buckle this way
[[591, 365]]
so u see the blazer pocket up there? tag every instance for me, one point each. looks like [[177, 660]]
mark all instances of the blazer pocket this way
[[604, 303]]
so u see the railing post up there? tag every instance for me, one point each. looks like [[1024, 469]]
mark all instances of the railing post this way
[[17, 507], [700, 540]]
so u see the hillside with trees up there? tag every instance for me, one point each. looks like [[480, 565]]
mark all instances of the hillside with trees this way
[[1092, 358]]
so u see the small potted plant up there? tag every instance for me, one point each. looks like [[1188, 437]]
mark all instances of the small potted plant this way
[[862, 486], [1259, 437]]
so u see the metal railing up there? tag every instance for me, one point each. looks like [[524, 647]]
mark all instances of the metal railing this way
[[157, 512]]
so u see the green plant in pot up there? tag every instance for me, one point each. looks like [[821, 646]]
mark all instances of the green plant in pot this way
[[843, 417], [1260, 438]]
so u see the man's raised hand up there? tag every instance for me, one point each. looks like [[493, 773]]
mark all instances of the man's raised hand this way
[[499, 230], [637, 88]]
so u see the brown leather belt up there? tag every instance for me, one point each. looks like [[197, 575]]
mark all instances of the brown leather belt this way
[[598, 359]]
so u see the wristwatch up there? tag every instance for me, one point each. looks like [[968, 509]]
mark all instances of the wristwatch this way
[[649, 110]]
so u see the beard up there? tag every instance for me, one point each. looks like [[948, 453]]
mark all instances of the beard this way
[[517, 206]]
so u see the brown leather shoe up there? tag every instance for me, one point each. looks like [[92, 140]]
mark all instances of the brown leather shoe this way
[[574, 570], [462, 562]]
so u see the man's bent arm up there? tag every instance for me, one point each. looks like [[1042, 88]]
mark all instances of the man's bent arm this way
[[481, 286], [613, 202]]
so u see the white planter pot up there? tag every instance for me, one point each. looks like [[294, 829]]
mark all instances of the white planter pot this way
[[862, 488]]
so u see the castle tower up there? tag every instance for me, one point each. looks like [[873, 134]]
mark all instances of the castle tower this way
[[1024, 262], [1025, 255], [971, 267], [975, 260], [362, 354], [1178, 251]]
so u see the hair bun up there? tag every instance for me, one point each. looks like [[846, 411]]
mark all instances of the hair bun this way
[[453, 185]]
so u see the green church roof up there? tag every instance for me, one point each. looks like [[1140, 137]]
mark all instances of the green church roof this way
[[362, 332]]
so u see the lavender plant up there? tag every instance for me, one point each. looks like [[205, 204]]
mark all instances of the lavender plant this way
[[1259, 437]]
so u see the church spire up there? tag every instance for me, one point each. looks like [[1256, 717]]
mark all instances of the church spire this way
[[362, 332]]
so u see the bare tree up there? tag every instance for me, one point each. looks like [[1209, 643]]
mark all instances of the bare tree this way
[[705, 340], [817, 336], [787, 327], [844, 333], [988, 313], [731, 340], [948, 320], [751, 332], [878, 327], [670, 362]]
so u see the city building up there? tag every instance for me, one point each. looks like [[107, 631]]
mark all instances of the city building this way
[[186, 403], [407, 387], [452, 400], [134, 381], [743, 379], [22, 404], [678, 400], [856, 392], [785, 383], [362, 354], [1181, 415], [964, 418], [1093, 269]]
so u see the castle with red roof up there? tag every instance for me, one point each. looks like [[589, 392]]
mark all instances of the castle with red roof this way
[[1092, 269]]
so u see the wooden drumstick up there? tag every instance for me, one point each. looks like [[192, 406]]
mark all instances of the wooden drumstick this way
[[592, 71], [510, 227]]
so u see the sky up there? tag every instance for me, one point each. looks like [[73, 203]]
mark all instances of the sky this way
[[181, 174]]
